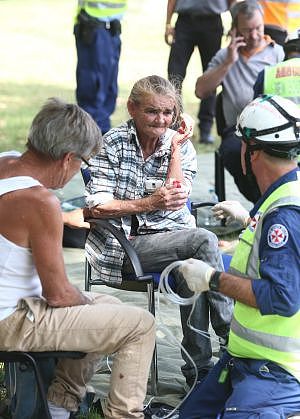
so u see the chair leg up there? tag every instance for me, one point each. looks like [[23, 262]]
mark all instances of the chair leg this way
[[87, 276], [151, 298], [219, 176], [40, 384], [154, 372], [153, 368]]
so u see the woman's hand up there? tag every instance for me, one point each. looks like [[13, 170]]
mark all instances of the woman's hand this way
[[184, 132]]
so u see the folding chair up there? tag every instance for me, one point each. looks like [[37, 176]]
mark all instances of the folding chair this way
[[138, 281], [32, 358]]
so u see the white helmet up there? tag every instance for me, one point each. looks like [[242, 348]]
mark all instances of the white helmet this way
[[271, 122]]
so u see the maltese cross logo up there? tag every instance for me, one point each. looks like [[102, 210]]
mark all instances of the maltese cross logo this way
[[277, 236]]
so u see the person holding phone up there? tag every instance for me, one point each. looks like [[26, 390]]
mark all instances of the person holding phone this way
[[236, 67]]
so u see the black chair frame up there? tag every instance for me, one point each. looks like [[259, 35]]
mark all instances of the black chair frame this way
[[139, 282], [31, 358]]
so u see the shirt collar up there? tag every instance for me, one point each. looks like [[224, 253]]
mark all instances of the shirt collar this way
[[268, 41], [288, 177]]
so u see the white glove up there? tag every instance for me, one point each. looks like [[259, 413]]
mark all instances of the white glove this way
[[232, 211], [197, 274]]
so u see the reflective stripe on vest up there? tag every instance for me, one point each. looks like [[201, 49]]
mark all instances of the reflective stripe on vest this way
[[103, 9], [252, 335], [283, 79], [284, 13]]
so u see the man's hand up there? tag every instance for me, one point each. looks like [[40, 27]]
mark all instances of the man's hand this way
[[232, 211], [232, 49], [169, 34], [197, 274]]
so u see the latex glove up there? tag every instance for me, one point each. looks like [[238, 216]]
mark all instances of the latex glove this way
[[232, 211], [197, 274]]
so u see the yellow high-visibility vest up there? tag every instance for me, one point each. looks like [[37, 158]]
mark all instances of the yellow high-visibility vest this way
[[253, 335], [283, 79], [103, 9]]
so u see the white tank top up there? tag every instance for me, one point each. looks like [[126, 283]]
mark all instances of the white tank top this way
[[18, 276]]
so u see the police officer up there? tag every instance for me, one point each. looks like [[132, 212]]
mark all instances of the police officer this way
[[283, 78], [259, 375], [97, 33]]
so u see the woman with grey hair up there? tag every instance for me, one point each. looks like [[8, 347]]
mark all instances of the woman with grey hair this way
[[141, 180]]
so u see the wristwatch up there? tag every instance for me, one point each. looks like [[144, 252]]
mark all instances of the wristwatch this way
[[214, 282]]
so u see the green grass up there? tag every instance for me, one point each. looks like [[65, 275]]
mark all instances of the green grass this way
[[38, 60]]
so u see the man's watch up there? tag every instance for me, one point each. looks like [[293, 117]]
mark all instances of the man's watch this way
[[214, 282]]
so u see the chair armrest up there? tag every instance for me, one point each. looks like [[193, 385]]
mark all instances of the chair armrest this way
[[127, 247], [195, 205]]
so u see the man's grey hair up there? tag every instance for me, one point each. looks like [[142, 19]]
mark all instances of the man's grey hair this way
[[156, 85], [246, 8], [60, 128]]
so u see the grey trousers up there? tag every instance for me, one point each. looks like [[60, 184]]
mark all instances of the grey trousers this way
[[156, 251]]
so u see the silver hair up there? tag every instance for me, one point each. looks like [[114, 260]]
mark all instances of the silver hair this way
[[156, 85], [60, 128], [246, 7]]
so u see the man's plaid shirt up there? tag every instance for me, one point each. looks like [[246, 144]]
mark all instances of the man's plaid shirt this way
[[119, 172]]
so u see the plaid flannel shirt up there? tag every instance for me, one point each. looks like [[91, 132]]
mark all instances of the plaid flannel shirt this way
[[119, 172]]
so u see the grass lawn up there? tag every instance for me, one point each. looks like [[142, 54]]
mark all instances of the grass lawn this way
[[38, 60]]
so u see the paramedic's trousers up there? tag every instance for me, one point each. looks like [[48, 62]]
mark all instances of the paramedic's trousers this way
[[239, 388]]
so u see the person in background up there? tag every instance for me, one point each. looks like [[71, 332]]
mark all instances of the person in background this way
[[199, 24], [281, 18], [97, 32], [40, 310], [236, 68], [141, 182], [259, 374], [283, 78]]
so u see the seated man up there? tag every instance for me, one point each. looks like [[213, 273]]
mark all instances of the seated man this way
[[132, 185], [40, 310], [259, 376], [235, 68]]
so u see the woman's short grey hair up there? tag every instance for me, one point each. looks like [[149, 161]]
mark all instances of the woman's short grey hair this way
[[156, 85], [60, 128], [246, 8]]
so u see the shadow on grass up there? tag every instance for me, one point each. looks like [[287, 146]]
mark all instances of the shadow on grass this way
[[18, 104]]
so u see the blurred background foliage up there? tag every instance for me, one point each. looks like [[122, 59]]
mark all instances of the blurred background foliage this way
[[38, 60]]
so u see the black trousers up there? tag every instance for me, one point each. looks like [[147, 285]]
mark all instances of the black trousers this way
[[230, 150], [205, 33]]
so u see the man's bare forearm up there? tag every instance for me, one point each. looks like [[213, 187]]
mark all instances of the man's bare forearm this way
[[210, 80], [239, 289], [170, 11]]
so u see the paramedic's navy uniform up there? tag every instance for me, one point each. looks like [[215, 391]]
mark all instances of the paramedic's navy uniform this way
[[240, 388], [97, 69]]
